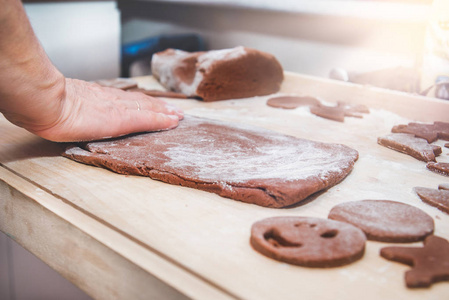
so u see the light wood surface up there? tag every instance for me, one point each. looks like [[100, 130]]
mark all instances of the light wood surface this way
[[129, 237]]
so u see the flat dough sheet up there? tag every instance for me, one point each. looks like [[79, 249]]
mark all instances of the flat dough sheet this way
[[244, 163]]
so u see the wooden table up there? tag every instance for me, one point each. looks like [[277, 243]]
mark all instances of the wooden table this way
[[129, 237]]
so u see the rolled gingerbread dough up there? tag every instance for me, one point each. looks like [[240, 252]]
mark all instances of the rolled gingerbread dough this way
[[244, 163]]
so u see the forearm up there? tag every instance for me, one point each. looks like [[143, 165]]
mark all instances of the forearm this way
[[37, 97], [29, 83]]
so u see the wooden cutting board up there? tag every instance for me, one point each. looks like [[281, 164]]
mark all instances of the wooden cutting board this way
[[131, 237]]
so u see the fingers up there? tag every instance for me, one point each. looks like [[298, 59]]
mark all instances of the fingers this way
[[132, 112], [133, 99], [144, 102], [141, 121], [131, 121], [91, 112], [129, 115], [102, 124]]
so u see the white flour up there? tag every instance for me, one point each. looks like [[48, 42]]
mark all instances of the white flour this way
[[268, 156]]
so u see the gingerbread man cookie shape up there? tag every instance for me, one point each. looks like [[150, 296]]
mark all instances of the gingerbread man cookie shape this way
[[430, 264], [429, 132], [424, 131]]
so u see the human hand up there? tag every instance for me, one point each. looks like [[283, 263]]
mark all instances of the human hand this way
[[88, 111], [36, 96]]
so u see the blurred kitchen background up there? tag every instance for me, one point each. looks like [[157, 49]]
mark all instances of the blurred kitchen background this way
[[86, 40], [83, 38]]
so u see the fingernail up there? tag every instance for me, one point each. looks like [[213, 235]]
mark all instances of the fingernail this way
[[172, 108], [174, 118]]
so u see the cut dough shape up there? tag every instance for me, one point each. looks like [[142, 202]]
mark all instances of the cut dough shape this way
[[291, 102], [157, 93], [439, 167], [118, 83], [446, 145], [424, 131], [430, 264], [438, 198], [308, 242], [334, 113], [384, 220], [353, 108], [241, 162], [339, 112], [409, 144], [218, 74], [443, 130], [429, 132]]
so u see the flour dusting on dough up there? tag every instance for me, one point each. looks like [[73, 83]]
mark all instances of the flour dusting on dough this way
[[209, 159], [242, 162]]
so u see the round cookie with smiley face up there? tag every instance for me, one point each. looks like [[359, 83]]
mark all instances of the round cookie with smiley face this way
[[308, 242]]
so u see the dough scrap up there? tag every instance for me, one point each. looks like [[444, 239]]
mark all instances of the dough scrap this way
[[353, 108], [384, 220], [443, 186], [157, 93], [409, 144], [429, 132], [218, 74], [118, 83], [334, 113], [443, 130], [241, 162], [438, 198], [430, 264], [340, 111], [291, 102], [439, 167], [308, 242]]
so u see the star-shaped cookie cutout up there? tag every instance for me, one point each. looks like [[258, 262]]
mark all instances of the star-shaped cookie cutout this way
[[430, 263]]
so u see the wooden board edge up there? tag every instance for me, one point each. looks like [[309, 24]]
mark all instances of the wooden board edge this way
[[25, 209], [415, 107]]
